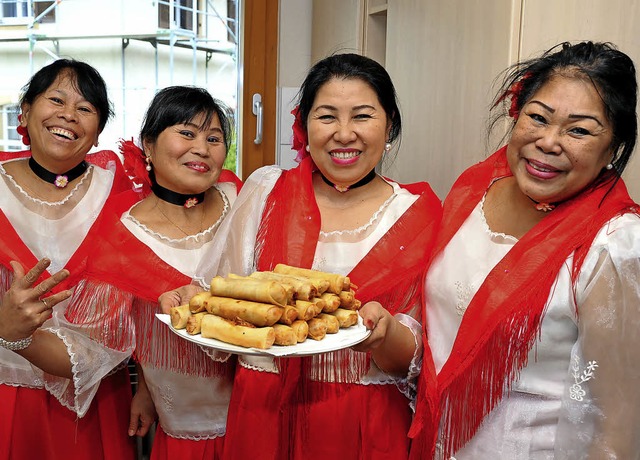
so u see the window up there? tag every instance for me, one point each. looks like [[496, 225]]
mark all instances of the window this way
[[10, 138], [20, 12], [182, 14], [40, 7]]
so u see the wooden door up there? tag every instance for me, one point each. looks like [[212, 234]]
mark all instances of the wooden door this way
[[259, 57]]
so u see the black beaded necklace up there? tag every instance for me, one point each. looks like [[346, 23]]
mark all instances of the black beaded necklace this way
[[364, 181], [59, 180], [181, 199]]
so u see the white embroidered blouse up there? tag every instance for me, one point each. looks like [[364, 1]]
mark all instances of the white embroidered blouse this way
[[577, 398]]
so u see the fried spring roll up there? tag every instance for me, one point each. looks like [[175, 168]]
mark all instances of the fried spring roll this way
[[317, 328], [346, 318], [289, 315], [331, 302], [303, 288], [255, 290], [301, 330], [179, 316], [306, 310], [197, 302], [319, 303], [333, 325], [256, 313], [347, 300], [194, 323], [215, 327], [285, 335], [337, 283]]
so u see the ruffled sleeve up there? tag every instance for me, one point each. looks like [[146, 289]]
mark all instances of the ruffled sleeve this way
[[233, 249], [100, 339], [600, 416]]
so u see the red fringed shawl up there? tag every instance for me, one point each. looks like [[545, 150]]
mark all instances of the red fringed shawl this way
[[128, 277], [12, 247], [502, 322], [390, 273]]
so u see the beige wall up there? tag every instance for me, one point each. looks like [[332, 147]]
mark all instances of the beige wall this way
[[444, 56]]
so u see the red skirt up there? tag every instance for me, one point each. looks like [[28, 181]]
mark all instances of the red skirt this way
[[33, 424], [335, 420], [167, 448]]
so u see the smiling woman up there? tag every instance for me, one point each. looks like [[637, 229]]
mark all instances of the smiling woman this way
[[335, 214], [532, 297], [50, 205], [155, 246]]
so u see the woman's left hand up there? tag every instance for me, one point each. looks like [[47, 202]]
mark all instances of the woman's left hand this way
[[379, 321]]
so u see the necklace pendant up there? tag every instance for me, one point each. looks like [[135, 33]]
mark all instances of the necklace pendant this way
[[545, 207], [61, 181], [191, 202], [341, 188]]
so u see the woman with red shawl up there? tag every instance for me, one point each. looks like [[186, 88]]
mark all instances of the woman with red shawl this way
[[155, 246], [532, 296], [51, 198], [334, 213]]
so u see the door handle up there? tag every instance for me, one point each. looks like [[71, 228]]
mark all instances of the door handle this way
[[257, 111]]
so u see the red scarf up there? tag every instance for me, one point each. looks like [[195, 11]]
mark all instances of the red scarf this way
[[503, 319], [128, 277], [390, 273], [12, 247]]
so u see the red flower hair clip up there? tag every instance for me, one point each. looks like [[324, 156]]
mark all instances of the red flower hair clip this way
[[299, 142], [23, 132], [135, 165], [514, 94]]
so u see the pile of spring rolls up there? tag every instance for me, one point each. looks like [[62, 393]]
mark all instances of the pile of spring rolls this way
[[282, 307]]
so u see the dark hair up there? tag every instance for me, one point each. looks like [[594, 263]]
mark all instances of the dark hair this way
[[348, 66], [176, 105], [611, 71], [86, 80]]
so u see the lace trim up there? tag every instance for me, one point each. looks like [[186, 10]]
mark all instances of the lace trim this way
[[366, 226], [203, 437], [246, 365], [47, 203], [74, 364], [197, 236], [38, 385], [488, 229]]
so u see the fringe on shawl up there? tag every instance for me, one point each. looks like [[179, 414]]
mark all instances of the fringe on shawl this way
[[103, 313], [158, 346], [119, 320], [471, 396]]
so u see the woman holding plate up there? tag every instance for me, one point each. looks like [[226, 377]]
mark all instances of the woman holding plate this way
[[334, 213], [154, 246]]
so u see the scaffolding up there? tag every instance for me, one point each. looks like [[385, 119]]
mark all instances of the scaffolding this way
[[205, 27]]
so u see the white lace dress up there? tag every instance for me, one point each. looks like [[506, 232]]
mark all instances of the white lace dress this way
[[56, 231], [189, 406], [577, 398]]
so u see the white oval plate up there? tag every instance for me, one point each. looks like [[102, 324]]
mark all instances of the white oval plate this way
[[344, 338]]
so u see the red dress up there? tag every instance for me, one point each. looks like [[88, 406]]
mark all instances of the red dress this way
[[33, 422], [328, 406]]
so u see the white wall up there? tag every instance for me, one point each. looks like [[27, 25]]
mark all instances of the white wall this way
[[294, 60]]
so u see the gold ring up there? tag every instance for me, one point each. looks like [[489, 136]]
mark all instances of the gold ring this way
[[44, 301]]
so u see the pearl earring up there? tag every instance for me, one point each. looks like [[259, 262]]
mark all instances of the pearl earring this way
[[307, 148], [609, 166], [148, 167], [387, 147]]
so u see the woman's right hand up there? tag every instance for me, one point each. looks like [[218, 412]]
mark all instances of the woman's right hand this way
[[26, 307], [177, 297]]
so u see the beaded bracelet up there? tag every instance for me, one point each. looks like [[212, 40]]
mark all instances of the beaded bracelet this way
[[17, 345]]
